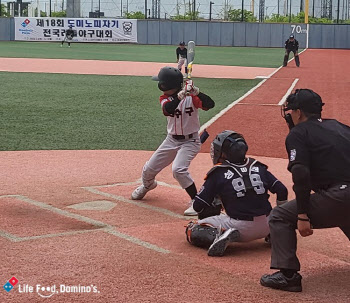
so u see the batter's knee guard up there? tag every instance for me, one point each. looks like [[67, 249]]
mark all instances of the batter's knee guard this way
[[285, 60], [201, 235], [297, 61]]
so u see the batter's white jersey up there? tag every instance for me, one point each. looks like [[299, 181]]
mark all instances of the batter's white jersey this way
[[185, 120]]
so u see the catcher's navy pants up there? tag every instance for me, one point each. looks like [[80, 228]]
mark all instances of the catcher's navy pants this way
[[328, 208]]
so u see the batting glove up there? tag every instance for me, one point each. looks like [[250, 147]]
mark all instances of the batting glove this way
[[190, 88]]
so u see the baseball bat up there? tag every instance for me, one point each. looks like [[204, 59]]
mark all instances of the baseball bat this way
[[204, 136], [190, 58]]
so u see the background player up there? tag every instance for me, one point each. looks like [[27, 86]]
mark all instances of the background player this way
[[242, 185], [291, 45], [69, 36], [181, 57], [180, 104]]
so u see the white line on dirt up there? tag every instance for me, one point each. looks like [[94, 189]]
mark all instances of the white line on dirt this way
[[103, 226], [288, 92], [136, 203], [258, 104], [222, 112]]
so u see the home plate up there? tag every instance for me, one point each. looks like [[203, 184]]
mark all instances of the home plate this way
[[102, 205]]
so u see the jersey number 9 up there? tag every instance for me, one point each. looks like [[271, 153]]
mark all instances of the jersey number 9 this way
[[240, 187]]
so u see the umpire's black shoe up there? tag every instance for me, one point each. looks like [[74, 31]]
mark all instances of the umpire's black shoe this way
[[279, 281]]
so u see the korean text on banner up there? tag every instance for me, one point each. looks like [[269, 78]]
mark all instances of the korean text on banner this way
[[85, 30]]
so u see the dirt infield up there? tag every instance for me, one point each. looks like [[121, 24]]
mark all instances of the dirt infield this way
[[136, 251], [258, 116], [69, 230], [125, 68]]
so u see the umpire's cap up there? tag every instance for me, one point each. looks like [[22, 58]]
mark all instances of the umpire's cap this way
[[291, 37], [306, 100], [182, 43], [169, 78]]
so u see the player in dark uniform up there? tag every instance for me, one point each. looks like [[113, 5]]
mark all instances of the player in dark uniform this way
[[242, 185], [319, 160], [181, 57], [69, 36], [291, 45]]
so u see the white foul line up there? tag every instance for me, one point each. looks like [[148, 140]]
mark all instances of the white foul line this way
[[222, 112], [288, 92]]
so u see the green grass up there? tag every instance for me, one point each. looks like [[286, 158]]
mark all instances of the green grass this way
[[59, 111], [238, 56]]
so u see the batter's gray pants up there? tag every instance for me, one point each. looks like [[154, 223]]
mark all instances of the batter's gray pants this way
[[328, 208], [178, 152]]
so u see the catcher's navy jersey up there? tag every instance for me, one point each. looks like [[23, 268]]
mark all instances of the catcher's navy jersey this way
[[243, 189]]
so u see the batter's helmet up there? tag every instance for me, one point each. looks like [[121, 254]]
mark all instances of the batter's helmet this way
[[169, 78], [230, 146]]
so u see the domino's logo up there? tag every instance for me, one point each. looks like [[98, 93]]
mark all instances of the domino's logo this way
[[10, 284], [25, 23]]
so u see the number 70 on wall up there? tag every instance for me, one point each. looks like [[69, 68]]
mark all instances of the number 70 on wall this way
[[298, 29]]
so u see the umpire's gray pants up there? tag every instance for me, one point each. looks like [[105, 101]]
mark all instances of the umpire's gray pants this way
[[328, 208]]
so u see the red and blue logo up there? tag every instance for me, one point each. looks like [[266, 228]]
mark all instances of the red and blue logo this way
[[10, 284], [25, 23]]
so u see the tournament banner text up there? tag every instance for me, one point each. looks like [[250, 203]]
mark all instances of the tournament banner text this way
[[85, 29]]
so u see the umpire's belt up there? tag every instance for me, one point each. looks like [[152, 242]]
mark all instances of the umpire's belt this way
[[182, 137]]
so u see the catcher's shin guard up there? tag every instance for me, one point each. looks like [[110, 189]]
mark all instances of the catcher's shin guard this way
[[297, 61], [201, 235], [285, 60]]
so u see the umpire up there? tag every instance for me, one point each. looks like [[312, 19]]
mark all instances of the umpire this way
[[319, 160], [291, 45]]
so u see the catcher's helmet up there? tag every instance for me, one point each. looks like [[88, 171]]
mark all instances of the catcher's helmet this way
[[169, 78], [230, 146]]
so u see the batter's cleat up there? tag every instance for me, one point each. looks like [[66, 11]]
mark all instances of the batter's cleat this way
[[190, 211], [141, 191], [279, 281], [217, 249]]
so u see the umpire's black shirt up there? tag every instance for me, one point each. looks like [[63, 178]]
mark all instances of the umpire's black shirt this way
[[292, 45], [322, 145]]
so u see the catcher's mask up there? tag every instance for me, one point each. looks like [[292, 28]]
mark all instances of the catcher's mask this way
[[304, 99], [169, 78], [228, 145]]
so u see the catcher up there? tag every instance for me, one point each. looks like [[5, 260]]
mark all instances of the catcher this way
[[69, 36], [242, 185]]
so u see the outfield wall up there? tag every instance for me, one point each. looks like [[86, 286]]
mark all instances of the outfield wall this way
[[228, 33]]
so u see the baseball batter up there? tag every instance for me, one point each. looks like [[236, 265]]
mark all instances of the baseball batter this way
[[181, 57], [242, 185], [180, 104]]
